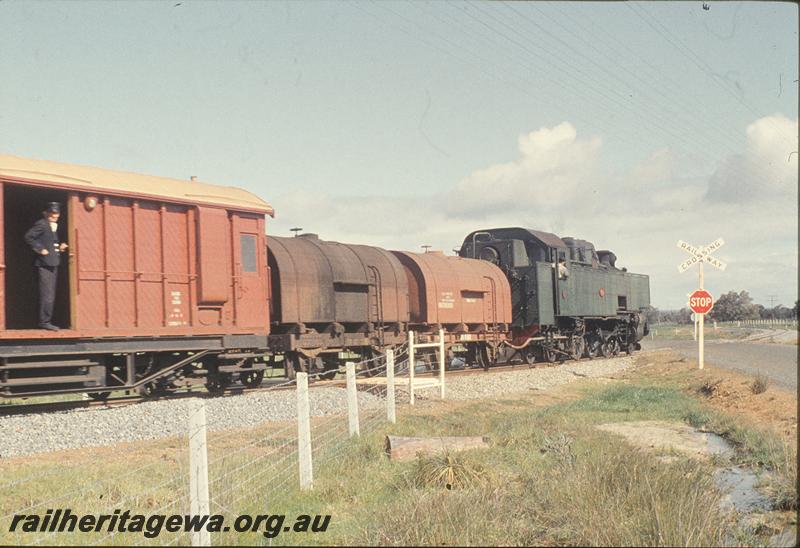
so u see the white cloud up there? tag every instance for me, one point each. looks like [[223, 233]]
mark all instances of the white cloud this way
[[766, 170], [554, 166]]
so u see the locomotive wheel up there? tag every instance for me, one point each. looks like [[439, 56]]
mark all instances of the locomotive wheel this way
[[550, 355], [99, 396], [593, 347], [577, 348], [530, 356], [251, 379], [611, 347]]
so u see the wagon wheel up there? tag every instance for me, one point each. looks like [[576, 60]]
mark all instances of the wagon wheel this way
[[217, 383], [99, 396], [251, 379], [153, 389], [485, 356], [373, 367], [292, 363], [473, 356], [331, 367]]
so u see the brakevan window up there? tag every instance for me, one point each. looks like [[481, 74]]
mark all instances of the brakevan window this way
[[249, 262]]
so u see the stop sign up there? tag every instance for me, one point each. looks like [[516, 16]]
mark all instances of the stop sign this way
[[701, 301]]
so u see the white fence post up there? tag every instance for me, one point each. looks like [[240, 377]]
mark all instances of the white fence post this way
[[390, 403], [198, 470], [411, 366], [304, 433], [441, 363], [352, 399]]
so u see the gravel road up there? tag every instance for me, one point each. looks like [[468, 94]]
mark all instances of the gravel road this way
[[776, 361], [39, 433]]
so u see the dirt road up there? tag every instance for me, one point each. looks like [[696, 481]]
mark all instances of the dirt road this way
[[776, 361]]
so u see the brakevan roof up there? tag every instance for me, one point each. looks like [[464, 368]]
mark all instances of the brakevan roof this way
[[93, 179]]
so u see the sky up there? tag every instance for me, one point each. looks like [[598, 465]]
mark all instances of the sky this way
[[400, 124]]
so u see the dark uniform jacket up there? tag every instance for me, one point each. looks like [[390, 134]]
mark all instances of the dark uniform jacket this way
[[39, 237]]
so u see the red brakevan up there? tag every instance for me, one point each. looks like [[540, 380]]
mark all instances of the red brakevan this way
[[148, 257]]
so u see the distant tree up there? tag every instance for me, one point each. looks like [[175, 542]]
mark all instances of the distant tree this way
[[733, 306], [780, 312], [684, 316], [795, 308], [652, 314]]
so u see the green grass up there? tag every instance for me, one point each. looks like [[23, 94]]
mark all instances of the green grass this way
[[549, 478], [686, 332]]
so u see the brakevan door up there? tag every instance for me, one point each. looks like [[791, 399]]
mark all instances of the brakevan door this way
[[249, 272], [2, 264]]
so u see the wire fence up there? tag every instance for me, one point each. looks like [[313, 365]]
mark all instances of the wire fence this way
[[125, 494]]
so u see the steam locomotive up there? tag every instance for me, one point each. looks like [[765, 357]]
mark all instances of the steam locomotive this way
[[172, 283]]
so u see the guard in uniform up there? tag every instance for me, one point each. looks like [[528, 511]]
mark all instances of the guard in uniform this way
[[43, 240]]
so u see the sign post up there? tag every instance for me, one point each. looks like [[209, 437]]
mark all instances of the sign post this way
[[701, 301]]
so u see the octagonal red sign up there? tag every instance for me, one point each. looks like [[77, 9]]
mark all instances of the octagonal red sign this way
[[701, 301]]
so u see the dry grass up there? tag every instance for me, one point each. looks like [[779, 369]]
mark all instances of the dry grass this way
[[450, 470], [782, 486], [759, 384]]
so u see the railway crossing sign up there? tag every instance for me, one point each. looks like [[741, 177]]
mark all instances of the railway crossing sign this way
[[701, 255], [701, 301]]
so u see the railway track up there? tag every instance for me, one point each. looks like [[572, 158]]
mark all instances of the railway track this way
[[281, 384]]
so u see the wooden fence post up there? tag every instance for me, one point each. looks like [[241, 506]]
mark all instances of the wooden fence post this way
[[390, 402], [198, 470], [352, 399], [304, 433]]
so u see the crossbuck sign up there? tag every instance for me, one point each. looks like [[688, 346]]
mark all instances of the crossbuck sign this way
[[700, 256]]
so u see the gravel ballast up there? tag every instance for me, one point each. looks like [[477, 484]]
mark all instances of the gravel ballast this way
[[504, 383], [40, 433]]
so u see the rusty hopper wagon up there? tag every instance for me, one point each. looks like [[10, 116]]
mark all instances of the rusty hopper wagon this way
[[329, 298], [164, 285]]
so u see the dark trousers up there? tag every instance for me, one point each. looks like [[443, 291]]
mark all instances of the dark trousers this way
[[48, 276]]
